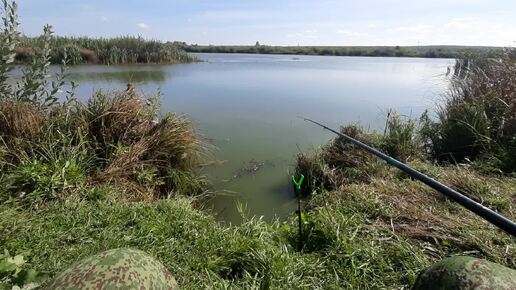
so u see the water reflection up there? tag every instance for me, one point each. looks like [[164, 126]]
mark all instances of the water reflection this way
[[131, 76]]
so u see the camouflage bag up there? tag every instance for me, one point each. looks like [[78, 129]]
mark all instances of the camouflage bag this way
[[463, 273], [115, 269]]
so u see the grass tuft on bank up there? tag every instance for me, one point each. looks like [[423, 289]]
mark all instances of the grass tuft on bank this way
[[116, 138]]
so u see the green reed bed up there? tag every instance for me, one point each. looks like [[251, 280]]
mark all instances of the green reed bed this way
[[375, 51], [109, 51]]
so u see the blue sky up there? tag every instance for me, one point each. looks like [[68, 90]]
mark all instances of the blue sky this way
[[281, 22]]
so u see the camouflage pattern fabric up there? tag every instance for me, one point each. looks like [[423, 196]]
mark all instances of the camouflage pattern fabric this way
[[115, 269], [466, 273]]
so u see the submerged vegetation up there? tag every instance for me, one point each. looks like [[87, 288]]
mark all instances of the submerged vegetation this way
[[78, 178], [384, 51]]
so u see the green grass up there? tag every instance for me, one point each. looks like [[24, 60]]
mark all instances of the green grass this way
[[365, 235], [349, 188], [366, 225], [205, 254]]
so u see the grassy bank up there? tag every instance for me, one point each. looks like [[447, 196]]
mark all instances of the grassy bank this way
[[364, 235], [468, 147], [383, 51]]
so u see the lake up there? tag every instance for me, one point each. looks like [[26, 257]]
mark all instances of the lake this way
[[248, 106]]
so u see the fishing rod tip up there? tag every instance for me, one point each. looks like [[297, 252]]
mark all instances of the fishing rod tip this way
[[303, 118]]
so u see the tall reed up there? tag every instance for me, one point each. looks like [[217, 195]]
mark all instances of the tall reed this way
[[110, 51], [478, 118]]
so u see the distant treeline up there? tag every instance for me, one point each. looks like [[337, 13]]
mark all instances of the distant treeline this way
[[385, 51], [120, 50]]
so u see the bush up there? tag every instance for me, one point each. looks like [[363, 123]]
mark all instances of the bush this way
[[114, 138], [117, 119], [316, 172]]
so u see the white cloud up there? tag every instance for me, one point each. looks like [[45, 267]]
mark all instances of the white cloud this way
[[305, 37], [309, 33], [104, 18], [464, 22], [143, 25], [414, 28], [231, 15], [349, 33]]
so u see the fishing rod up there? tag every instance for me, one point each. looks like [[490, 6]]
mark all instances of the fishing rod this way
[[491, 216]]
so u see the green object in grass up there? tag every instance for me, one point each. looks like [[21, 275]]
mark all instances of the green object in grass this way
[[122, 268], [466, 273], [298, 183]]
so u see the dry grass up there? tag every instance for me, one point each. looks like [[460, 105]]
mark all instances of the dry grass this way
[[128, 134], [24, 54], [410, 210], [341, 154], [19, 120], [117, 138], [117, 118], [89, 55], [318, 175], [174, 142], [123, 163], [337, 163]]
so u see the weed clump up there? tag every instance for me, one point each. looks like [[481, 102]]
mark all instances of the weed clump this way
[[114, 138], [19, 120], [403, 139]]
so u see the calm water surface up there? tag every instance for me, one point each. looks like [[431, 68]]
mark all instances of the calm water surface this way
[[248, 106]]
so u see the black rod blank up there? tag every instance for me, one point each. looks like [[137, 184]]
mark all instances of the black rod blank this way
[[491, 216]]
